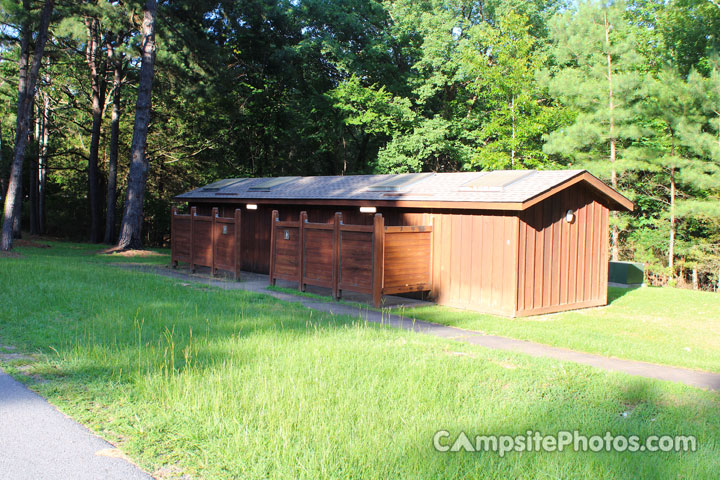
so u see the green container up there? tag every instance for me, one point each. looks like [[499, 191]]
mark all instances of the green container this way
[[626, 273]]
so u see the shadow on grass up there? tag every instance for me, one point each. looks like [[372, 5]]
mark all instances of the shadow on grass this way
[[615, 293], [635, 407]]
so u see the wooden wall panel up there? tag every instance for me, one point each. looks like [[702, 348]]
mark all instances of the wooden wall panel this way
[[202, 241], [355, 268], [475, 260], [318, 257], [569, 260], [225, 245], [181, 238], [256, 224], [407, 259], [286, 260]]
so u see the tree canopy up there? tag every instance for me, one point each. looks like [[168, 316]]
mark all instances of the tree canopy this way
[[628, 89]]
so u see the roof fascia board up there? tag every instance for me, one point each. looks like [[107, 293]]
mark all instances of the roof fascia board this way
[[615, 197]]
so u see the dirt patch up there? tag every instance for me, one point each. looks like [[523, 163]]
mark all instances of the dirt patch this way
[[4, 254], [459, 354], [129, 253], [112, 453], [170, 472], [15, 356], [23, 242], [504, 364]]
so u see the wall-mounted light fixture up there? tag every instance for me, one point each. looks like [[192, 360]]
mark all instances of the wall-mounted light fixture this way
[[570, 216], [251, 206], [368, 210]]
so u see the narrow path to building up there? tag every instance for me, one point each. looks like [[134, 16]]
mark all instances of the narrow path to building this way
[[37, 442], [259, 284]]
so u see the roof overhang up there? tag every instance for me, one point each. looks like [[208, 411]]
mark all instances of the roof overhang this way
[[613, 199]]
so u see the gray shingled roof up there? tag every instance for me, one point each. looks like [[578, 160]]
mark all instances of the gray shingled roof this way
[[436, 187]]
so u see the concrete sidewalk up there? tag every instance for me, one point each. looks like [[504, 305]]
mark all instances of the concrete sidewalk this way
[[37, 442], [259, 284]]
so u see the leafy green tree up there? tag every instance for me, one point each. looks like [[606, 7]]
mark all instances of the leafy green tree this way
[[516, 111], [472, 101]]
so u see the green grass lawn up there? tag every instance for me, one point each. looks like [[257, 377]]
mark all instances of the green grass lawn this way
[[662, 325], [227, 384]]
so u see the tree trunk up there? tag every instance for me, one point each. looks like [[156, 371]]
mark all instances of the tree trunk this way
[[43, 157], [3, 179], [613, 154], [26, 95], [512, 150], [34, 172], [131, 228], [112, 164], [671, 244], [17, 217], [97, 81]]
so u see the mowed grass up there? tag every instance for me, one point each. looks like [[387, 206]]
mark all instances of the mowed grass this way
[[224, 384], [668, 326]]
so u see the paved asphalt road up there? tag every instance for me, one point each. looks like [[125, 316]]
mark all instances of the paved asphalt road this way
[[37, 442]]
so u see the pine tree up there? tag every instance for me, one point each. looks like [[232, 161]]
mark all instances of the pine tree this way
[[681, 154], [29, 71], [131, 228], [597, 74]]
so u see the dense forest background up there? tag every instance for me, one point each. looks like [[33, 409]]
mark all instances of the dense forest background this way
[[630, 91]]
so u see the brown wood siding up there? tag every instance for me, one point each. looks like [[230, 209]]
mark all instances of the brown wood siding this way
[[202, 241], [318, 256], [474, 259], [225, 244], [407, 260], [356, 248], [287, 253], [255, 230], [181, 238], [562, 265]]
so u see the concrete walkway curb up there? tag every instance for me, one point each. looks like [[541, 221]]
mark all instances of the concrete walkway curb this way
[[695, 378], [37, 442]]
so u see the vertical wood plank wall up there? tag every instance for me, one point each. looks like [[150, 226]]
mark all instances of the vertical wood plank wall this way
[[562, 265], [475, 260]]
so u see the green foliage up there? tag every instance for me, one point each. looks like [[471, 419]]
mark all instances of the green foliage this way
[[313, 87], [597, 74]]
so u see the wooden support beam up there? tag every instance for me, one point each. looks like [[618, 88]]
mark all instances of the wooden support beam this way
[[301, 251], [238, 242], [273, 241], [193, 214], [173, 237], [378, 254], [336, 256], [213, 241]]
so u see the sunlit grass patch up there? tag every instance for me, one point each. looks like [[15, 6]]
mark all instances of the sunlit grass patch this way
[[229, 384]]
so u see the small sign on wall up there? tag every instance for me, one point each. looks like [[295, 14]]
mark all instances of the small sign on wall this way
[[224, 230], [286, 234]]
